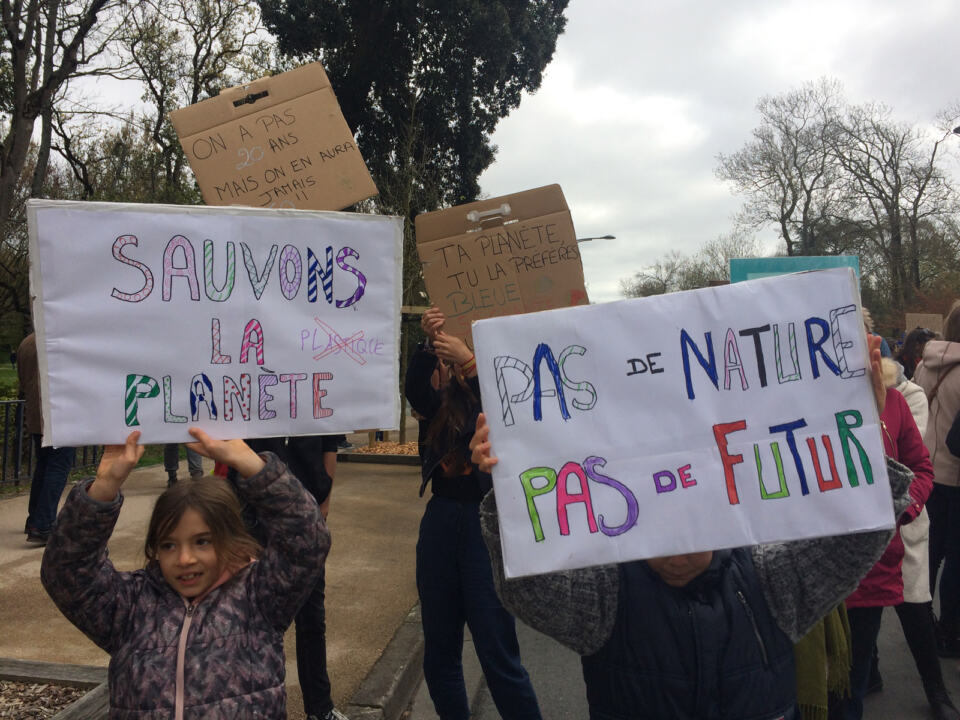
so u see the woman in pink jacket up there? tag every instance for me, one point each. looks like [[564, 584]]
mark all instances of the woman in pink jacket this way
[[883, 585]]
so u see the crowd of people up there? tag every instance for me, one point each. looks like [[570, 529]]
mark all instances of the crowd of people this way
[[783, 630]]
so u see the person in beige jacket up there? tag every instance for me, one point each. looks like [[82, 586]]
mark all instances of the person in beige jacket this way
[[939, 377]]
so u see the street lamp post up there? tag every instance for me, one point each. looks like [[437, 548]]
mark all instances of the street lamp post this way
[[601, 237]]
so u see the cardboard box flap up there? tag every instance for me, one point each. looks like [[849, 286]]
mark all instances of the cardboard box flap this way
[[279, 142], [512, 254], [223, 108], [460, 219]]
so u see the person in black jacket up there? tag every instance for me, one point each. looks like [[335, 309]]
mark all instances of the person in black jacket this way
[[454, 578]]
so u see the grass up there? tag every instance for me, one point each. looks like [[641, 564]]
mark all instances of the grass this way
[[8, 382]]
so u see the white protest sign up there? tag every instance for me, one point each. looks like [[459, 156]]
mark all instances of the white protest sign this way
[[245, 322], [681, 423]]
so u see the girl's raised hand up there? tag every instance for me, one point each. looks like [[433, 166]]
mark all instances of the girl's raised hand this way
[[432, 322], [115, 465], [481, 452], [234, 453], [452, 349]]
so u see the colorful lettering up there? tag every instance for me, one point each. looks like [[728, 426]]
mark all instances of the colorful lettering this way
[[258, 280], [188, 271], [147, 288], [319, 393], [788, 428], [290, 286], [816, 346], [709, 365], [168, 414], [834, 482], [252, 338], [266, 381], [293, 379], [847, 421], [138, 386], [732, 361], [361, 278], [590, 466], [573, 385], [531, 493], [314, 271], [241, 394], [543, 352], [216, 357], [720, 432], [565, 498], [201, 392], [213, 292]]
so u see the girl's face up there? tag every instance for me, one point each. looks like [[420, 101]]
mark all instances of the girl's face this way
[[187, 557]]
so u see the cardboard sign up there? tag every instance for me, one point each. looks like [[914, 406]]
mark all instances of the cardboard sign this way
[[681, 423], [245, 322], [278, 142], [507, 255], [931, 321]]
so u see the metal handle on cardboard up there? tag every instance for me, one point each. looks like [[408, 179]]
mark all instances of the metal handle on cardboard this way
[[480, 215]]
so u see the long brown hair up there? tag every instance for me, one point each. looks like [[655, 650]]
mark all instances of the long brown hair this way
[[216, 503], [452, 421]]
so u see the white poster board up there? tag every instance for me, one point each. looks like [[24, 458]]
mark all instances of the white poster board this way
[[244, 322], [680, 423]]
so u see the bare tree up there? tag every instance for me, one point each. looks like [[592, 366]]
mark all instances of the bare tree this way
[[44, 44], [785, 172], [677, 271], [180, 52], [898, 185]]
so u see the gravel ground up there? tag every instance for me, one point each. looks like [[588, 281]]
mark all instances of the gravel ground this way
[[35, 701], [387, 448]]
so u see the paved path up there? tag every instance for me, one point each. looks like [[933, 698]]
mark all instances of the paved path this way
[[557, 679], [374, 517]]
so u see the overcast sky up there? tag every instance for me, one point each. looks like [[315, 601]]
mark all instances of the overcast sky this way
[[641, 96]]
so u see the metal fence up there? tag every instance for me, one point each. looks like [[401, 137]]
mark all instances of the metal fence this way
[[17, 456]]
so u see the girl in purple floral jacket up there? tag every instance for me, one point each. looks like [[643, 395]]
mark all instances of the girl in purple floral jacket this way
[[198, 633]]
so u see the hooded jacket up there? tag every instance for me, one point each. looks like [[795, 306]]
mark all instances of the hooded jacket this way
[[219, 657], [939, 364], [883, 585]]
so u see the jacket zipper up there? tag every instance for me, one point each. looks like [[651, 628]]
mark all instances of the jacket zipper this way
[[181, 661], [696, 652], [756, 630]]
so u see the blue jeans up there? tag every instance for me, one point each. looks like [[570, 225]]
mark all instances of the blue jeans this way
[[455, 584], [49, 479]]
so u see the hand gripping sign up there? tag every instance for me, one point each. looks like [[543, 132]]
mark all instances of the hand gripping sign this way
[[685, 422]]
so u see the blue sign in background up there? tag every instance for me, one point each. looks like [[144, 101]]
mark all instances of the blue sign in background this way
[[752, 268]]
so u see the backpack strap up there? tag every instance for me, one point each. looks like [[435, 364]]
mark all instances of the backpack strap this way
[[933, 393]]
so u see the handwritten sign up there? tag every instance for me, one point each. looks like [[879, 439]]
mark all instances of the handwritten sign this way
[[512, 254], [681, 423], [278, 142], [244, 322]]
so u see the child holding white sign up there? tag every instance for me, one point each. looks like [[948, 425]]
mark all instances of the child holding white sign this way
[[701, 635], [199, 631]]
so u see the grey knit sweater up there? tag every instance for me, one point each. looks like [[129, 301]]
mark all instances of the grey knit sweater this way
[[801, 580]]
